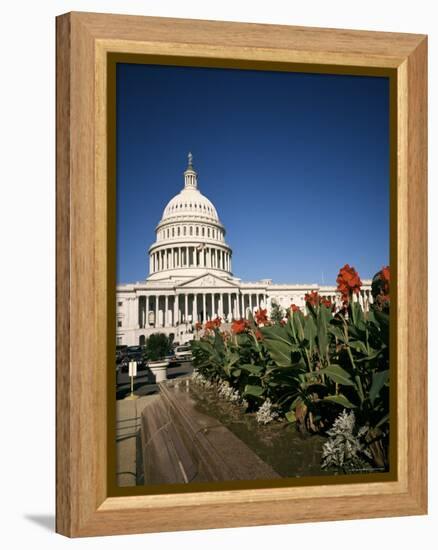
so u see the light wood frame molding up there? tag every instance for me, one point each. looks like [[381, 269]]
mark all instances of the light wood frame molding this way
[[83, 505]]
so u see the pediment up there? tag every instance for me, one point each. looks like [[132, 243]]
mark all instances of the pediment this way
[[207, 280]]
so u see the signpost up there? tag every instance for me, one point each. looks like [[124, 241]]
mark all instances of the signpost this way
[[132, 373]]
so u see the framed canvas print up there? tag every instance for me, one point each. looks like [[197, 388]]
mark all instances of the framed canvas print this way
[[241, 222]]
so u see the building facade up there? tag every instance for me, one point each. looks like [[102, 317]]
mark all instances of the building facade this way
[[190, 276]]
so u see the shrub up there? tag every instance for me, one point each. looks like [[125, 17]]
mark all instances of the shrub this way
[[158, 345]]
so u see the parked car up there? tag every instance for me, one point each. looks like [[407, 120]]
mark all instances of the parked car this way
[[171, 357], [183, 353], [121, 352]]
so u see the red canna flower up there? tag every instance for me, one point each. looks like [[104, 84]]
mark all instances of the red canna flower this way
[[258, 335], [214, 323], [385, 276], [326, 302], [198, 327], [348, 282], [239, 326], [217, 322], [261, 316], [380, 288], [282, 322], [294, 308], [312, 298]]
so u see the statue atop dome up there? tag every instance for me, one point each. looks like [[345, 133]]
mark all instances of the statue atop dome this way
[[190, 176]]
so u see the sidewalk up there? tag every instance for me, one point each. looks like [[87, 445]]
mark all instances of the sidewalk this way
[[128, 413]]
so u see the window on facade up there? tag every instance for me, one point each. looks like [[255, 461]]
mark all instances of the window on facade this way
[[178, 232], [197, 231], [191, 231], [173, 232], [208, 231], [119, 304], [119, 340], [185, 230], [119, 323], [203, 232]]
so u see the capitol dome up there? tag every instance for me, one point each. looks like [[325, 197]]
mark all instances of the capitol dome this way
[[190, 239], [190, 203]]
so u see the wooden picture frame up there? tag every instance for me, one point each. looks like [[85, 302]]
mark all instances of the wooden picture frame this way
[[84, 42]]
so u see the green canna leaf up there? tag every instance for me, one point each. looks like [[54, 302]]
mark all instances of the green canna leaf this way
[[338, 375], [340, 400]]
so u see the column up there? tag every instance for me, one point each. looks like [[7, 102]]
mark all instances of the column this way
[[166, 310], [213, 313], [186, 303], [194, 308], [204, 307], [243, 307], [147, 312], [237, 305], [230, 315], [221, 305], [175, 310], [157, 299], [187, 260]]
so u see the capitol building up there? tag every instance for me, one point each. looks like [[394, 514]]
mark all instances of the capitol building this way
[[191, 279]]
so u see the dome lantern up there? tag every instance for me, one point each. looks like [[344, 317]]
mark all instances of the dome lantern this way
[[190, 175]]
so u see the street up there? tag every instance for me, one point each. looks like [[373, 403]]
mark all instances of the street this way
[[142, 383]]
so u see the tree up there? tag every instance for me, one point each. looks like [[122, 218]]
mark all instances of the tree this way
[[277, 312]]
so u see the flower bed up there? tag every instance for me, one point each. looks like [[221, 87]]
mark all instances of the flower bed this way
[[308, 368]]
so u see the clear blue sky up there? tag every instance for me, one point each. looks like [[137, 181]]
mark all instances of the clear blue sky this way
[[296, 164]]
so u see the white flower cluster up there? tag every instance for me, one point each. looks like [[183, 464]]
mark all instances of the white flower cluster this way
[[227, 392], [266, 413], [222, 387], [200, 379], [344, 449]]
